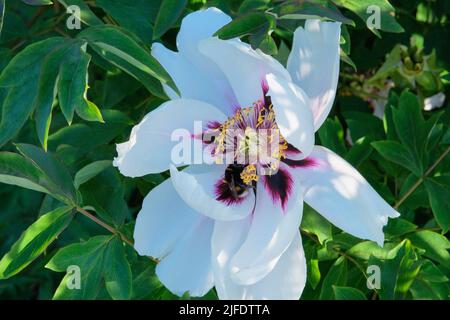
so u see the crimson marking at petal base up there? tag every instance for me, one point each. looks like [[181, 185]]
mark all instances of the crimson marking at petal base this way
[[304, 163], [231, 189], [279, 186]]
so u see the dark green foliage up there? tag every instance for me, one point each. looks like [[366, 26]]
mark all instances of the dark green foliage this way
[[67, 97]]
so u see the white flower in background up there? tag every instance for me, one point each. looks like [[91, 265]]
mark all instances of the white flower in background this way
[[229, 226]]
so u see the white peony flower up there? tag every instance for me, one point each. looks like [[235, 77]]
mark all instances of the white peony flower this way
[[235, 225]]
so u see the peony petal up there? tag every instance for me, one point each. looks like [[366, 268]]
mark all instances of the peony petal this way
[[196, 76], [198, 191], [338, 192], [163, 220], [314, 64], [286, 281], [245, 68], [150, 147], [188, 267], [223, 248], [293, 116], [272, 230]]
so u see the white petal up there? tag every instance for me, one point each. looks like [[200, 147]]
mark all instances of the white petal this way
[[340, 193], [163, 220], [245, 68], [314, 64], [293, 116], [198, 191], [223, 248], [188, 267], [200, 25], [196, 76], [272, 230], [286, 281], [149, 149], [434, 102]]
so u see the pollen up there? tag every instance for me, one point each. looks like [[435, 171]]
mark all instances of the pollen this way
[[249, 174]]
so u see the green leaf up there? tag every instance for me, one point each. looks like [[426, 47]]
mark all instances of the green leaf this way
[[85, 138], [134, 15], [72, 83], [399, 154], [365, 249], [398, 227], [411, 128], [89, 257], [247, 24], [313, 272], [387, 13], [435, 245], [359, 152], [105, 193], [398, 271], [439, 195], [53, 169], [102, 264], [125, 53], [38, 2], [86, 14], [168, 14], [331, 136], [348, 293], [16, 170], [20, 79], [90, 171], [47, 92], [118, 277], [308, 9], [34, 241], [364, 125], [314, 223], [2, 14], [336, 276], [253, 5]]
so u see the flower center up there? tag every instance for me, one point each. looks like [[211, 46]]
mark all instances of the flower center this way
[[250, 139]]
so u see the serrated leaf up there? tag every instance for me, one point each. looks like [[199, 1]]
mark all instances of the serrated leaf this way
[[399, 154], [34, 241], [168, 14], [95, 258]]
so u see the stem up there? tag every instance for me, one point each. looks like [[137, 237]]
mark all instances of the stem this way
[[421, 179], [109, 228]]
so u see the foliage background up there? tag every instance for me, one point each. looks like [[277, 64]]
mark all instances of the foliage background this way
[[45, 105]]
